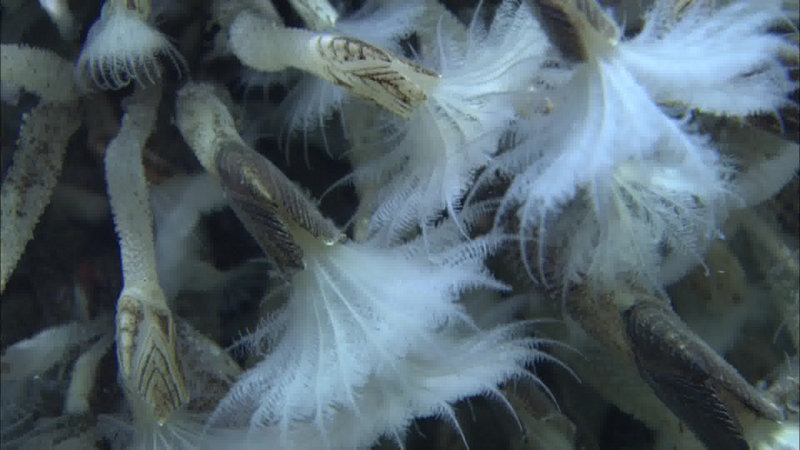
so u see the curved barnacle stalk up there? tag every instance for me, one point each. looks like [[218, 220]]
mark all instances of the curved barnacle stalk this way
[[27, 187], [367, 71], [268, 204], [146, 334], [41, 144], [39, 71], [27, 366], [62, 17]]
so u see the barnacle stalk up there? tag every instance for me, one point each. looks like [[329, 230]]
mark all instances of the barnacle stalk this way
[[146, 334], [27, 187], [38, 71], [42, 144]]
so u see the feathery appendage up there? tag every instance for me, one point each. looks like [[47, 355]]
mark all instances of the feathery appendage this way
[[657, 183], [355, 309], [660, 219], [610, 114], [432, 159], [423, 383], [722, 61], [121, 47]]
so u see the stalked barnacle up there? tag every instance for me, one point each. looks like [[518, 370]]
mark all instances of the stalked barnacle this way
[[146, 335], [366, 326], [365, 70], [122, 47], [312, 100], [697, 384], [263, 198], [261, 195]]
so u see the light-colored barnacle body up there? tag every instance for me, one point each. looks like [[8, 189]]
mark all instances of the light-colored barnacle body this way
[[147, 355], [371, 72], [268, 203], [363, 69], [129, 318]]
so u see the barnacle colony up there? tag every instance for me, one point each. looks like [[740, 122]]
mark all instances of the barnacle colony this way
[[535, 156]]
